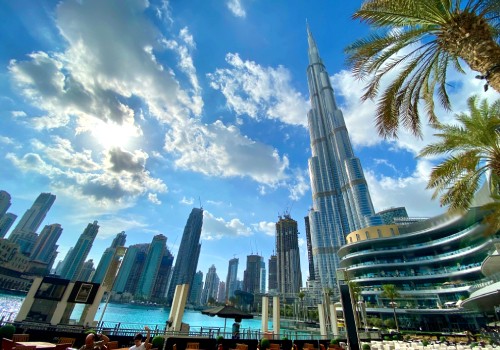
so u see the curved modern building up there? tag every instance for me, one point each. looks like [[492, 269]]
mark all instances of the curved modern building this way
[[435, 265]]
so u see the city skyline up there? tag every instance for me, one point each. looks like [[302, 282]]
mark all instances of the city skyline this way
[[136, 120]]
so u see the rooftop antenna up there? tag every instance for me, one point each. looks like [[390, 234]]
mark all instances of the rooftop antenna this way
[[199, 200]]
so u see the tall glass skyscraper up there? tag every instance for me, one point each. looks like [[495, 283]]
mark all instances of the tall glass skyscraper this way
[[251, 275], [211, 286], [188, 254], [6, 221], [76, 256], [107, 257], [288, 256], [232, 277], [151, 266], [4, 202], [131, 269], [341, 201], [45, 249], [24, 233]]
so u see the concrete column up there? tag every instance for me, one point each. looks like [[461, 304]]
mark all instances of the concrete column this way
[[265, 313], [88, 314], [276, 316], [178, 305], [61, 306], [28, 300], [322, 321], [334, 318]]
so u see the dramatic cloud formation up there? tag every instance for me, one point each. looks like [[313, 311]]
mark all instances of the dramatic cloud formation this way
[[220, 150], [260, 92], [215, 228], [95, 85]]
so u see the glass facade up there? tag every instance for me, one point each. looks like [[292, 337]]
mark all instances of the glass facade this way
[[341, 200]]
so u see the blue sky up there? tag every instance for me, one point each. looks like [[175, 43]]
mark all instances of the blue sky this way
[[133, 112]]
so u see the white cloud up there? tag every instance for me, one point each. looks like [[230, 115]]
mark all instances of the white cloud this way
[[17, 114], [110, 226], [6, 140], [62, 154], [260, 92], [153, 198], [408, 191], [236, 8], [220, 150], [215, 228], [299, 184], [187, 201], [113, 182], [269, 228]]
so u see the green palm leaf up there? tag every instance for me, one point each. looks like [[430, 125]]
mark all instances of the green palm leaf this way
[[420, 40]]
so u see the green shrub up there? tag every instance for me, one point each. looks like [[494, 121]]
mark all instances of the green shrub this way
[[284, 338], [335, 341], [366, 347], [158, 342], [473, 344], [442, 339], [386, 337], [395, 337], [265, 343], [425, 342], [7, 331], [219, 338]]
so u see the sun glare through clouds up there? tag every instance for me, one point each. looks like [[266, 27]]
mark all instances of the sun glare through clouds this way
[[110, 134]]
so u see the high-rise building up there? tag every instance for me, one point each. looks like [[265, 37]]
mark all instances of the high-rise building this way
[[152, 264], [86, 271], [341, 201], [272, 284], [76, 257], [221, 294], [251, 275], [263, 275], [4, 202], [211, 286], [287, 252], [131, 269], [63, 262], [388, 215], [45, 249], [24, 234], [310, 261], [161, 284], [107, 257], [232, 277], [6, 222], [188, 254], [196, 289]]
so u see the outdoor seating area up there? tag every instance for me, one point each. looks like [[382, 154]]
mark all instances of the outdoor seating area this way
[[423, 345], [9, 344]]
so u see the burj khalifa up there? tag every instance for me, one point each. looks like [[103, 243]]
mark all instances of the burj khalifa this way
[[341, 200]]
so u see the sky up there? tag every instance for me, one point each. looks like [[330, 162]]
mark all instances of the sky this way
[[133, 112]]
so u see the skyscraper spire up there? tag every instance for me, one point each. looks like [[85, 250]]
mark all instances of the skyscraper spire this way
[[341, 201]]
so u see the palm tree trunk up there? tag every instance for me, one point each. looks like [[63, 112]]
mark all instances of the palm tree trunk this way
[[395, 317], [470, 37]]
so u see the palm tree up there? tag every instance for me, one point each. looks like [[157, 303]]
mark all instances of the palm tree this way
[[390, 291], [301, 296], [356, 294], [420, 39], [473, 150]]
